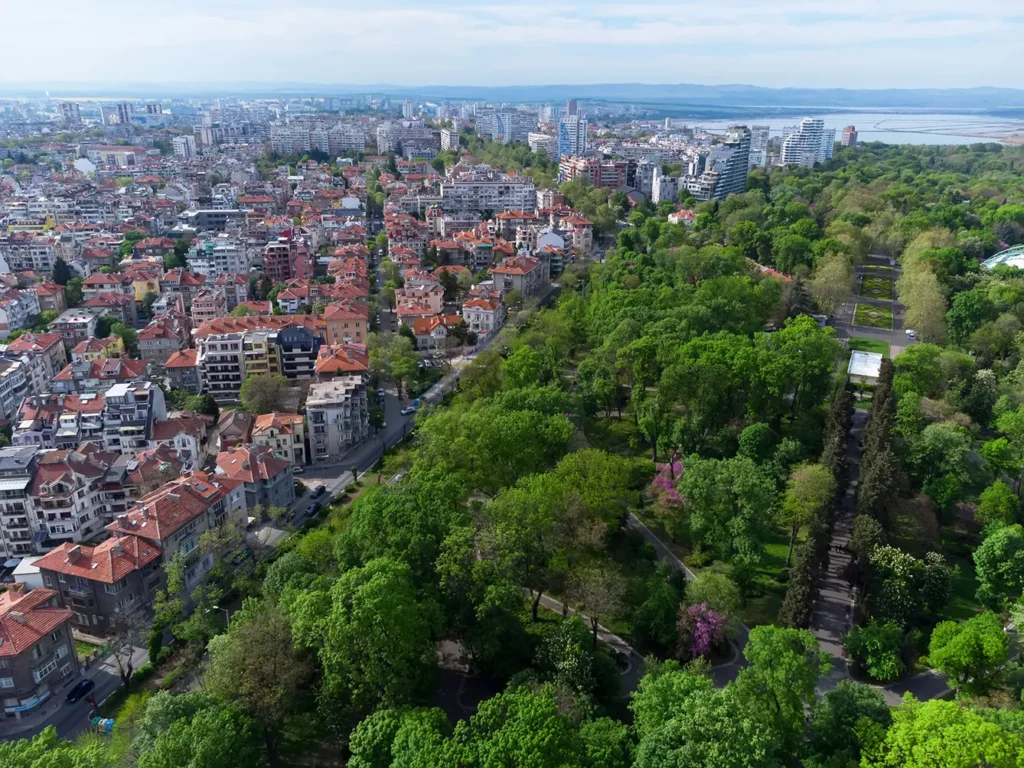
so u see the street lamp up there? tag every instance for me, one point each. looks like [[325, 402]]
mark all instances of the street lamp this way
[[227, 616]]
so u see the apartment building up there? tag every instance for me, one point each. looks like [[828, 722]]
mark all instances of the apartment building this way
[[14, 385], [268, 480], [184, 146], [338, 415], [163, 337], [572, 135], [483, 316], [519, 273], [209, 303], [599, 173], [57, 420], [67, 497], [28, 252], [297, 348], [346, 323], [97, 375], [341, 360], [184, 282], [235, 286], [50, 296], [37, 650], [514, 125], [543, 144], [16, 311], [47, 347], [810, 143], [176, 515], [222, 364], [221, 253], [75, 325], [482, 188], [129, 413], [105, 584], [17, 517], [284, 434]]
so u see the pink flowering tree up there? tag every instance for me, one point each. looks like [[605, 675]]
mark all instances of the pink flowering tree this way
[[701, 630]]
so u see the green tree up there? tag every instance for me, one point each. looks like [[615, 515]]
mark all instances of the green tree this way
[[606, 744], [842, 719], [785, 665], [997, 505], [104, 324], [939, 733], [61, 272], [128, 336], [810, 492], [265, 393], [877, 649], [213, 738], [969, 653], [257, 666], [999, 566]]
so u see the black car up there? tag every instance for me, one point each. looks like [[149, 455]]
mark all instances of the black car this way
[[312, 509], [319, 491], [79, 691]]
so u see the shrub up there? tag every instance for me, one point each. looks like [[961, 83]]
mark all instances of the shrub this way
[[877, 649], [172, 678]]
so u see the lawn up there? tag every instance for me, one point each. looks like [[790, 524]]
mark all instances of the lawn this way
[[868, 316], [861, 344], [84, 649], [874, 287]]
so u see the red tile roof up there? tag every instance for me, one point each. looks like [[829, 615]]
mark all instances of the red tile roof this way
[[284, 423], [342, 358], [25, 618], [186, 358], [250, 464], [249, 323], [108, 562]]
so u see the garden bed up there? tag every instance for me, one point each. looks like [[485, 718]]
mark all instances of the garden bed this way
[[870, 316], [874, 287]]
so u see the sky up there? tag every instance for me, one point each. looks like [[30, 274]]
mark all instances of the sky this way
[[788, 43]]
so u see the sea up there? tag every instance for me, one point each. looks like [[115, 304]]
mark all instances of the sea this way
[[895, 127]]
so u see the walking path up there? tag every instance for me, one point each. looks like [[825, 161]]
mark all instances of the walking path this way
[[833, 610]]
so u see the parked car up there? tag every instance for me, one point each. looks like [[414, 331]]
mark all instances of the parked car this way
[[911, 334], [319, 491], [407, 410], [298, 469], [80, 691], [312, 509]]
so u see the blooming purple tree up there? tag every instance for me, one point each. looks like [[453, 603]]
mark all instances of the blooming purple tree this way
[[700, 631]]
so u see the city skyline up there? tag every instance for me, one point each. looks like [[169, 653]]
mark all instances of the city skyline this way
[[908, 44]]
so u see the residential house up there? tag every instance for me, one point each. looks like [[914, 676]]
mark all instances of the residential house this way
[[233, 429], [97, 349], [235, 287], [283, 433], [519, 273], [164, 336], [47, 346], [268, 480], [341, 360], [182, 369], [483, 316], [184, 282], [432, 333], [58, 420], [184, 433], [105, 584], [176, 515], [346, 323], [37, 650], [16, 310], [50, 296], [121, 308]]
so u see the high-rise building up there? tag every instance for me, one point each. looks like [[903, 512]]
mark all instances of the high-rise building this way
[[849, 136], [124, 113], [759, 145], [153, 109], [514, 126], [731, 161], [808, 144], [184, 146], [544, 144], [571, 108], [572, 135], [70, 114], [407, 109]]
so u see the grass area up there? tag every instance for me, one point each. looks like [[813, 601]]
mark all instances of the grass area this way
[[861, 344], [619, 436], [863, 404], [880, 267], [869, 316], [83, 649], [769, 582], [875, 287]]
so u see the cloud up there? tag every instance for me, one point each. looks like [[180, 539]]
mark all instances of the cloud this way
[[876, 43]]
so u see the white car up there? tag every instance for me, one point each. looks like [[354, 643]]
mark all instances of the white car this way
[[407, 410], [911, 333]]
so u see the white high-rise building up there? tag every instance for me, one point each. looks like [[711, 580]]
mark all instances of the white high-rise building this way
[[70, 114], [808, 144], [514, 126], [544, 144], [407, 109], [759, 145], [572, 135], [184, 146]]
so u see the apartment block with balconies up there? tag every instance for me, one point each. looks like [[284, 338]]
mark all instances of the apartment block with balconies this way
[[17, 467], [338, 416], [222, 365]]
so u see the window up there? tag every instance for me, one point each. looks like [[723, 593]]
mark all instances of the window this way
[[188, 546], [65, 671], [62, 651], [6, 682], [43, 671], [113, 589], [48, 581], [60, 578], [57, 635]]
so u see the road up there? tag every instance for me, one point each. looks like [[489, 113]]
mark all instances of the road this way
[[70, 720]]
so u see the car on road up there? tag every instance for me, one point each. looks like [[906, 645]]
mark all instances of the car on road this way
[[297, 469], [911, 334], [408, 409], [80, 691], [312, 509], [319, 491]]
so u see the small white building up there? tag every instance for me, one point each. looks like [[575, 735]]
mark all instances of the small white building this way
[[865, 366]]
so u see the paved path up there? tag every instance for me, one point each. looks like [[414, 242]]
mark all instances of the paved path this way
[[833, 610]]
